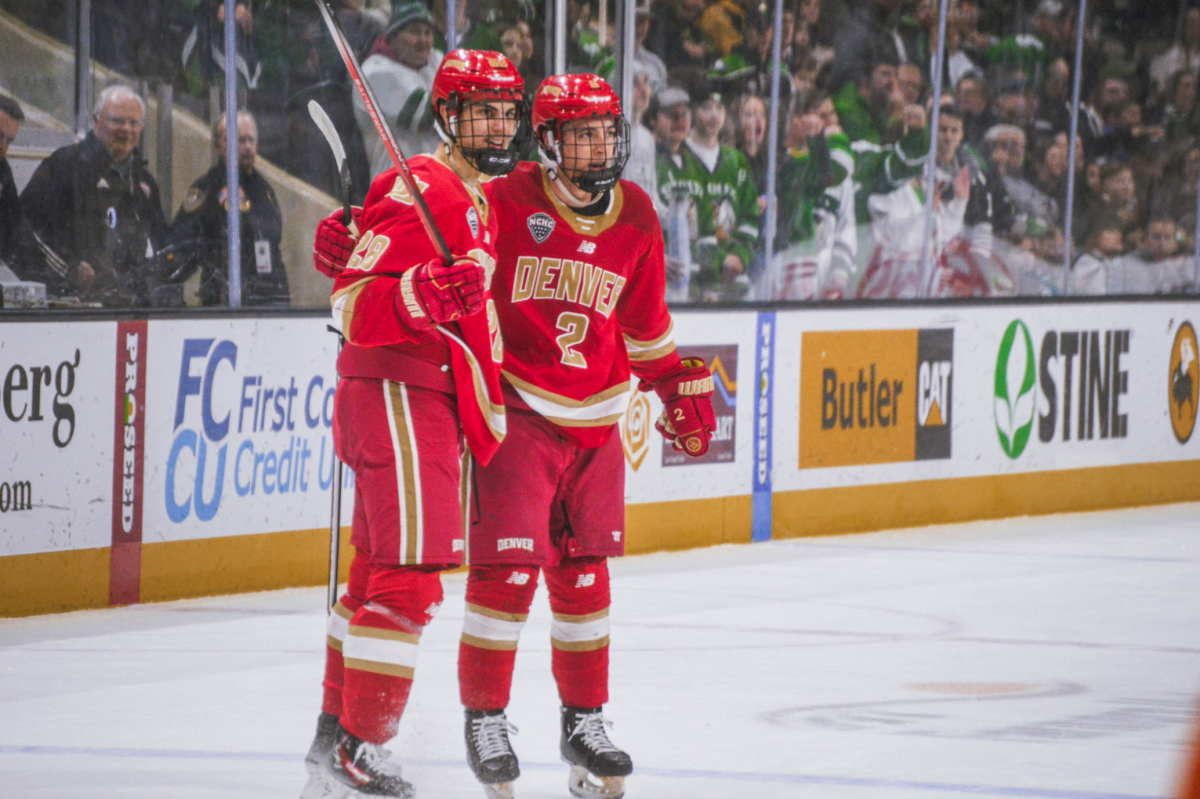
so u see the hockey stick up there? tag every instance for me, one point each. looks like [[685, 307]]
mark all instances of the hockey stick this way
[[322, 121], [335, 509], [325, 125], [385, 133]]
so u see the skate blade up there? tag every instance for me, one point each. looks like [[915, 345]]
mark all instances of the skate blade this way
[[319, 787], [584, 785], [499, 790]]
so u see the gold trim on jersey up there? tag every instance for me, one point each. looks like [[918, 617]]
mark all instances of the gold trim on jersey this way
[[471, 179], [599, 410], [653, 349], [343, 301], [493, 414], [559, 399], [603, 421], [584, 225]]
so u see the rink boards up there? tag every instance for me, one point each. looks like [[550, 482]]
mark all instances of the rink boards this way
[[152, 460]]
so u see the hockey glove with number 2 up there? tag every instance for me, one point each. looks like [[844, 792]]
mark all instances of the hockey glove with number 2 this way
[[687, 420], [433, 293], [334, 243]]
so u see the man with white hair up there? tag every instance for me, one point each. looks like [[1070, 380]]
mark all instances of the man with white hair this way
[[98, 209]]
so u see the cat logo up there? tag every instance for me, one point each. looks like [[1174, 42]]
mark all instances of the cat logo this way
[[635, 430], [399, 191], [933, 392], [1183, 385], [540, 226]]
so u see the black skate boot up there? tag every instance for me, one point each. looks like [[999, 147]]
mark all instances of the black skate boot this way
[[598, 769], [327, 727], [490, 754], [354, 768]]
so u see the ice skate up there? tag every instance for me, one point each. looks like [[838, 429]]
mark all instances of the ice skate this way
[[598, 768], [327, 727], [354, 769], [490, 754]]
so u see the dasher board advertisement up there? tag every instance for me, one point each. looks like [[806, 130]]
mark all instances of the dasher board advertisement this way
[[239, 428], [56, 436]]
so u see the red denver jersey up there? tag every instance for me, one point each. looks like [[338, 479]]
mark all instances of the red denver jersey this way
[[580, 301], [378, 343]]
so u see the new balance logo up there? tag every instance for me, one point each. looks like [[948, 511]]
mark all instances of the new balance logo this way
[[517, 578], [587, 247], [505, 544], [585, 581]]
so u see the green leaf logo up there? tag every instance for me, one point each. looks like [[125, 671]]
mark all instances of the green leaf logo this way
[[1015, 381]]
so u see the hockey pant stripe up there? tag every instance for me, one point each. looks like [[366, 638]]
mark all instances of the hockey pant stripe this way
[[408, 472]]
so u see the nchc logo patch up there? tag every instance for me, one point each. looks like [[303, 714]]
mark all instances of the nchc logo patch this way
[[875, 396], [1184, 383], [540, 226]]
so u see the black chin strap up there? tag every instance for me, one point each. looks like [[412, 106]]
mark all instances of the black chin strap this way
[[598, 208]]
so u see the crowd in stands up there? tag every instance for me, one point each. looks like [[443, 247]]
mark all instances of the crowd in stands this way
[[855, 218]]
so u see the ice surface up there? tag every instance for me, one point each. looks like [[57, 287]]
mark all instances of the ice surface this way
[[1049, 657]]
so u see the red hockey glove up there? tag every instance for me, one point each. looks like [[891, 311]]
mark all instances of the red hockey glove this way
[[687, 420], [334, 242], [433, 293]]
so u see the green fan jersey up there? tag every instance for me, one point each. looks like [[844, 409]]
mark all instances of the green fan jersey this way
[[726, 203]]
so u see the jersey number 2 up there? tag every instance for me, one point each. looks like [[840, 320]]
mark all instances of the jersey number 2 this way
[[575, 328]]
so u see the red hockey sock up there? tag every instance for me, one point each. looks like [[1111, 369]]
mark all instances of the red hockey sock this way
[[335, 631], [498, 600], [579, 599], [380, 649]]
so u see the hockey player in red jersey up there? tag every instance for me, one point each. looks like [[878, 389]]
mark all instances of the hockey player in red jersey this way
[[419, 386], [579, 290]]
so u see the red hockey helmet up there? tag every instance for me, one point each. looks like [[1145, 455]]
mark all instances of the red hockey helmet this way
[[472, 76], [565, 98]]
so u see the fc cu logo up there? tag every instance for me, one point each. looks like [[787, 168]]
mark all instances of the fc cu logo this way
[[1184, 383]]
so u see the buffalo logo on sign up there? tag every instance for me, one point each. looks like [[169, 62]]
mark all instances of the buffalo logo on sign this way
[[1184, 383], [722, 360], [875, 396], [1079, 376]]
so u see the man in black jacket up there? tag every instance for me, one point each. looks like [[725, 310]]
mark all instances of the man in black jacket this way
[[18, 248], [97, 207], [199, 232]]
